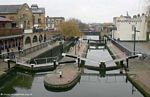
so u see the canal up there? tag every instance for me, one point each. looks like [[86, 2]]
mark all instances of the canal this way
[[91, 84]]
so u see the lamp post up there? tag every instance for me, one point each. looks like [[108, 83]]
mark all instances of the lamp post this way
[[134, 39]]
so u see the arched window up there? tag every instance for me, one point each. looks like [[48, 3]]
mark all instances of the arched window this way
[[28, 40], [35, 39], [40, 38]]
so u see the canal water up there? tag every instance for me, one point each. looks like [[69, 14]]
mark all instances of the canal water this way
[[91, 84]]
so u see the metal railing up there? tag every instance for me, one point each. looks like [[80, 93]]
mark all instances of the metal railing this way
[[37, 47], [10, 32], [45, 60], [22, 60]]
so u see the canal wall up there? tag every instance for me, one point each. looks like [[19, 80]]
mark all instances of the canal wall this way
[[122, 48]]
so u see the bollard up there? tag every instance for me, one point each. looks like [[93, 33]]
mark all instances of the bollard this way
[[102, 66], [54, 62], [32, 66]]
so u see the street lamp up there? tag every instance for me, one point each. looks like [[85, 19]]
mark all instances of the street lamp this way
[[134, 39]]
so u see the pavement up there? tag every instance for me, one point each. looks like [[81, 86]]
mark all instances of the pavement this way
[[4, 67], [139, 72], [143, 47], [139, 69], [117, 53]]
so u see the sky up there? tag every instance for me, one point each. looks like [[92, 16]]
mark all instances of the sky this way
[[88, 11]]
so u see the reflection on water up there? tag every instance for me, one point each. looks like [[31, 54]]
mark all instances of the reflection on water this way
[[91, 84]]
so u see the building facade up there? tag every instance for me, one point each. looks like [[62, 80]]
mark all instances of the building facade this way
[[125, 28], [38, 16], [52, 22], [20, 14], [10, 36]]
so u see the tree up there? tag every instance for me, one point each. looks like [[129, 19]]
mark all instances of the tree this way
[[69, 28], [82, 26]]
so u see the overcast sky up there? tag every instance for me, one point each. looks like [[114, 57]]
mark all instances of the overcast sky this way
[[88, 11]]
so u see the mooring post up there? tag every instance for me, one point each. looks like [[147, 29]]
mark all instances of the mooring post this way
[[54, 62], [102, 66], [32, 66]]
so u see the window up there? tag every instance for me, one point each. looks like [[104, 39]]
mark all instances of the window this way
[[11, 17], [3, 16], [39, 20]]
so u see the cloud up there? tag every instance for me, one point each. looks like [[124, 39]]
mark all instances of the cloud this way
[[85, 10]]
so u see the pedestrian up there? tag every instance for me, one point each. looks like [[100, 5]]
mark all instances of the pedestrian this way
[[60, 74], [8, 55], [0, 52], [12, 54]]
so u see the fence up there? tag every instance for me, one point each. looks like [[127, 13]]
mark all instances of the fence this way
[[35, 48], [45, 60]]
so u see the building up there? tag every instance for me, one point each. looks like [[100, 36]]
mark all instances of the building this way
[[125, 28], [52, 22], [10, 36], [105, 30], [95, 27], [38, 16], [20, 14]]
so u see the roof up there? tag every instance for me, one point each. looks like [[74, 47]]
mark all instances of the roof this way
[[55, 17], [9, 8], [38, 10], [5, 20]]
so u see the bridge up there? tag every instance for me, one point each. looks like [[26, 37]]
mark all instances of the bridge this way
[[50, 62], [90, 33], [98, 74], [103, 65]]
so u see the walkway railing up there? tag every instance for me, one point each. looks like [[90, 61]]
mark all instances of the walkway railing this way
[[37, 47], [46, 60], [22, 60]]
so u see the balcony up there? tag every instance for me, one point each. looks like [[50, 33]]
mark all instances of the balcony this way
[[10, 32]]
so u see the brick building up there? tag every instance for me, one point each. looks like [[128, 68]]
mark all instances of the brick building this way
[[38, 16], [52, 22], [20, 14], [10, 36]]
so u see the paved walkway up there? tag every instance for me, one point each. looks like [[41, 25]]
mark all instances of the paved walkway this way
[[116, 51], [4, 67], [139, 70], [143, 47]]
